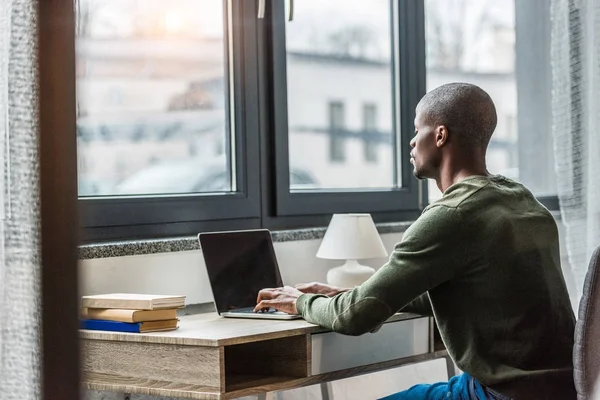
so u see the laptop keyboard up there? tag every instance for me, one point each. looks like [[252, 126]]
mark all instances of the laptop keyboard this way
[[250, 310]]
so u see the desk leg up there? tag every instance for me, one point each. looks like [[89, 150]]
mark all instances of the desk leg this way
[[326, 391], [450, 367]]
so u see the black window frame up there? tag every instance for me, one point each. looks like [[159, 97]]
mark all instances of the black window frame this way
[[385, 204], [136, 217], [263, 199]]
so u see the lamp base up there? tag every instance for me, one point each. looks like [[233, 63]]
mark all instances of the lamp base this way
[[349, 275]]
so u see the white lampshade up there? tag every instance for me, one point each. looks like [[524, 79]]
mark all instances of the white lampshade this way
[[351, 237]]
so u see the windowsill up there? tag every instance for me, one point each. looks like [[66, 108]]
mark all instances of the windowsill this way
[[154, 246]]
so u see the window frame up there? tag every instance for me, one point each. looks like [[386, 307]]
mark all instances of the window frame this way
[[135, 217], [387, 204]]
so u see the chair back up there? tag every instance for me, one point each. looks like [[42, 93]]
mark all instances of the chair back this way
[[586, 353]]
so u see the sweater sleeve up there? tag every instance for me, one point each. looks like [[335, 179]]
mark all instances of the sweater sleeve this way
[[421, 305], [431, 252]]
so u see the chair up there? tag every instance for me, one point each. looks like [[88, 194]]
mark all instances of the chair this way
[[586, 352]]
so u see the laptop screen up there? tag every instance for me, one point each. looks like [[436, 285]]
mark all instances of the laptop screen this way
[[239, 265]]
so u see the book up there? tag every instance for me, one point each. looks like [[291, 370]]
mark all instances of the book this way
[[136, 327], [123, 315], [133, 301]]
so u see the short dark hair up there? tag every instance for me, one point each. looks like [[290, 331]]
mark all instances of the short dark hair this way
[[464, 109]]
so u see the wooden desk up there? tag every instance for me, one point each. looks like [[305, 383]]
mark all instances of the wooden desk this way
[[210, 357]]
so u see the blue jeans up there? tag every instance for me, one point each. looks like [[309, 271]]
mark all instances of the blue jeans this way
[[461, 387]]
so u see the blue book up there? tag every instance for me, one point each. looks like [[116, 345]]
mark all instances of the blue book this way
[[134, 327]]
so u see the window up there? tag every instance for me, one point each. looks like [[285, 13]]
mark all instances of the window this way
[[503, 47], [370, 132], [336, 132], [354, 53], [197, 115], [163, 146]]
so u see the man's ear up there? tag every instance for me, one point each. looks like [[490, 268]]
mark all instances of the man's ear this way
[[441, 135]]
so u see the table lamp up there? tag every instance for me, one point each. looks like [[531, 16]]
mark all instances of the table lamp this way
[[351, 237]]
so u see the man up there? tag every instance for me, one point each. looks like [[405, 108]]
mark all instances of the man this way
[[483, 260]]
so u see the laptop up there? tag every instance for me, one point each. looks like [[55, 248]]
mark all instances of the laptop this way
[[239, 264]]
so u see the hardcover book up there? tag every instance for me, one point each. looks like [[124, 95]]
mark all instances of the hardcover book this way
[[123, 315], [133, 301], [137, 327]]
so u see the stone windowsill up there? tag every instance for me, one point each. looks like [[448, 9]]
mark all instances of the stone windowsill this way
[[153, 246]]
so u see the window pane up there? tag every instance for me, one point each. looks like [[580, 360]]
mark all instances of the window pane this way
[[475, 41], [340, 94], [152, 113]]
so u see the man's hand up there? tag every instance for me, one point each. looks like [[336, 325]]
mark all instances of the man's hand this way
[[282, 299], [320, 288]]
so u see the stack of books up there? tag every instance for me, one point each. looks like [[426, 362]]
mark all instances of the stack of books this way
[[129, 312]]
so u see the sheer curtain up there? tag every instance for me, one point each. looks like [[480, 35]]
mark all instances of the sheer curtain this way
[[20, 317], [576, 128]]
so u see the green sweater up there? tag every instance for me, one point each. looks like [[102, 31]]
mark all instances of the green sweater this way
[[484, 260]]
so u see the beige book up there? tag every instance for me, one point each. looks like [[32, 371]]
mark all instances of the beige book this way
[[133, 301], [157, 326], [123, 315]]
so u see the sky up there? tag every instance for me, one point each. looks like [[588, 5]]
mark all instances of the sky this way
[[115, 17], [316, 22], [118, 17]]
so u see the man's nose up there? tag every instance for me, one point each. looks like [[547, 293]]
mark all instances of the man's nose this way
[[413, 142]]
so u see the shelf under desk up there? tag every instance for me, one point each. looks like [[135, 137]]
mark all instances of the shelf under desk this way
[[210, 357]]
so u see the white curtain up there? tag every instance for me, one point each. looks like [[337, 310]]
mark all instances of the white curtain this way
[[20, 316], [576, 128]]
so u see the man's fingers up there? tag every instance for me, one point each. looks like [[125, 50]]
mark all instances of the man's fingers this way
[[265, 294], [282, 299], [303, 287], [263, 305]]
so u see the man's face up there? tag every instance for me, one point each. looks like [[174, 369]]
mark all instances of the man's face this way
[[425, 155]]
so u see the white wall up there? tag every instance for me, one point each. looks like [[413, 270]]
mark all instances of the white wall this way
[[185, 273]]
